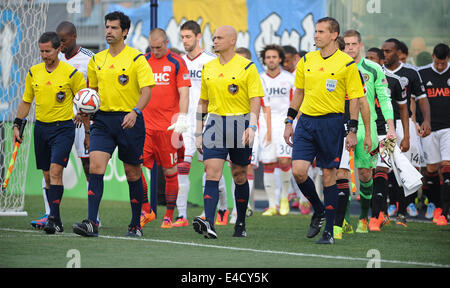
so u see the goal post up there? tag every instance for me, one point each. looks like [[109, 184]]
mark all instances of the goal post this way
[[21, 24]]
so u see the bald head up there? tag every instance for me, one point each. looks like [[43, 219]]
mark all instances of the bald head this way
[[158, 42], [157, 34], [224, 39]]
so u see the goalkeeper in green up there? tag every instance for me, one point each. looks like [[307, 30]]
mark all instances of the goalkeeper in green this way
[[375, 84]]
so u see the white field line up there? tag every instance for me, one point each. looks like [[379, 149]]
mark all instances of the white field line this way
[[408, 263]]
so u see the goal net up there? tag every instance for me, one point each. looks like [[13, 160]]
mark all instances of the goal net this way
[[21, 24]]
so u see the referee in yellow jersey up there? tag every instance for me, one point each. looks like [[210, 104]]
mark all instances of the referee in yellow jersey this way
[[123, 79], [230, 94], [52, 85], [322, 80]]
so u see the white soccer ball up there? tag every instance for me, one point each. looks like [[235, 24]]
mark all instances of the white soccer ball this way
[[87, 101]]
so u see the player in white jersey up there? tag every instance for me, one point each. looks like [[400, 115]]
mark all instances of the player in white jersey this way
[[278, 85], [195, 58], [79, 58]]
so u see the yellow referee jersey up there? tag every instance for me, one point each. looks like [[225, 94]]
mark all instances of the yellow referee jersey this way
[[120, 78], [53, 91], [229, 87], [326, 82]]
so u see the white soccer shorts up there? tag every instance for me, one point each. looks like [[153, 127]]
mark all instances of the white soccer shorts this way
[[415, 153], [437, 146]]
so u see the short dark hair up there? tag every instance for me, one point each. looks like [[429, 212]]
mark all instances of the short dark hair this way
[[191, 25], [50, 37], [125, 21], [441, 51], [403, 47], [378, 51], [245, 51], [395, 41], [288, 49], [333, 23], [275, 47], [66, 25]]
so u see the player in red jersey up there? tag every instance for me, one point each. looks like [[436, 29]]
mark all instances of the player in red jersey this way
[[165, 115]]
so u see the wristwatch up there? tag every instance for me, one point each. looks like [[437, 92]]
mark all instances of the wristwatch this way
[[353, 129], [138, 112], [287, 120]]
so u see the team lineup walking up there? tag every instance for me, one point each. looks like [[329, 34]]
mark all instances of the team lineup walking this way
[[327, 114]]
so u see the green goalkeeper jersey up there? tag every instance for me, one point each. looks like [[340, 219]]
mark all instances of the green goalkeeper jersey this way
[[376, 84]]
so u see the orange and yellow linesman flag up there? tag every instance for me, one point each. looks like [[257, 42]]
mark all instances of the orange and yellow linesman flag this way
[[14, 155], [352, 172]]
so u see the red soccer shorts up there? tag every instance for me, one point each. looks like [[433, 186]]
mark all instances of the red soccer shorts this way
[[164, 147]]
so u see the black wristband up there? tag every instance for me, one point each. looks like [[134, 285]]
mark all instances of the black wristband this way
[[18, 122], [352, 123], [292, 113]]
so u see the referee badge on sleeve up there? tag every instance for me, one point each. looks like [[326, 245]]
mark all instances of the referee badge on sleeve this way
[[233, 89], [123, 79], [331, 84], [60, 96]]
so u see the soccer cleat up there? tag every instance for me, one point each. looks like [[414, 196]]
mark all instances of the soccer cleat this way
[[401, 220], [374, 224], [305, 208], [326, 238], [384, 219], [347, 228], [202, 226], [180, 222], [441, 221], [412, 210], [167, 223], [284, 207], [134, 231], [337, 232], [362, 226], [233, 217], [437, 214], [270, 212], [52, 225], [317, 220], [147, 218], [39, 223], [249, 211], [239, 230], [87, 228], [222, 217], [392, 210], [430, 210]]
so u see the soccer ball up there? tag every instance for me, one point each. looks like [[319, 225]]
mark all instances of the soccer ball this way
[[87, 101]]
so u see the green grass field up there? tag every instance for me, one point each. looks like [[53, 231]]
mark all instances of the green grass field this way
[[271, 242]]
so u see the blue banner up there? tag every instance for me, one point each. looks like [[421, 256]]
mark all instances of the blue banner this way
[[258, 23]]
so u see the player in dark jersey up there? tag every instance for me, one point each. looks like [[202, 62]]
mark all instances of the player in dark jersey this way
[[415, 92], [436, 78], [380, 178]]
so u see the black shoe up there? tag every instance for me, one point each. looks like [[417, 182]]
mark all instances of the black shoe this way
[[327, 238], [52, 226], [316, 223], [87, 228], [239, 230], [134, 231], [204, 227]]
